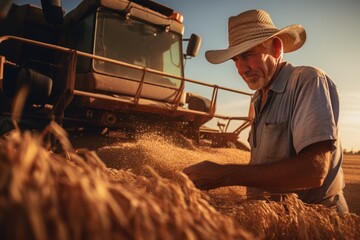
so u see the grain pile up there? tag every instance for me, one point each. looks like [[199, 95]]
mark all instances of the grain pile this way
[[73, 195]]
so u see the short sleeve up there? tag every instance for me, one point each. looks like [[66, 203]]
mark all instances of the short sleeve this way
[[315, 113]]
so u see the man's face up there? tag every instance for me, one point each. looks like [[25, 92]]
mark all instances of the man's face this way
[[256, 66]]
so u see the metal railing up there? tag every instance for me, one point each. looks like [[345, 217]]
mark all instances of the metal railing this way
[[135, 99]]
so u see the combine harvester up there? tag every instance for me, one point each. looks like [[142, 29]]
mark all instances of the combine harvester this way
[[111, 67]]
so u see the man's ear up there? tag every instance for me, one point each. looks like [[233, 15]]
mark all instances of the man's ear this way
[[278, 47]]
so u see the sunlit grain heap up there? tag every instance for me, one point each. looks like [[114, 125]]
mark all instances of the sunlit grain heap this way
[[73, 195]]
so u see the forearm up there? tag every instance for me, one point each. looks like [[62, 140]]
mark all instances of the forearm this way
[[306, 170], [280, 176]]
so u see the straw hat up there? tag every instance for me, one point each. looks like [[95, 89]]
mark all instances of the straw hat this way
[[251, 28]]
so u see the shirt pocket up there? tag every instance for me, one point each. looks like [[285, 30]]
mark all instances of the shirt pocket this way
[[276, 140]]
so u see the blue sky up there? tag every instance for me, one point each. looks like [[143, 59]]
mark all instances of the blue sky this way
[[333, 38]]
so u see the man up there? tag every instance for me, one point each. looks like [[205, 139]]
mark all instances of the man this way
[[293, 139]]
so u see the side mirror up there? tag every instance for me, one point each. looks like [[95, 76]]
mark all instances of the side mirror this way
[[193, 46], [53, 11]]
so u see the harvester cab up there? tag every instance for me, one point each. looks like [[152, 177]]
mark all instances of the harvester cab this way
[[115, 65]]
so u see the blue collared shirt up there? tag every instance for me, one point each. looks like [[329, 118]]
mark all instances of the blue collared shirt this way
[[302, 108]]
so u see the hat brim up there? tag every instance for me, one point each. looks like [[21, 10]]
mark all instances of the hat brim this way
[[293, 37]]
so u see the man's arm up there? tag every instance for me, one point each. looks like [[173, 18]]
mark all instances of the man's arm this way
[[306, 170]]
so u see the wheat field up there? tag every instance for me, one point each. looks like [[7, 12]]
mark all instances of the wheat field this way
[[137, 191]]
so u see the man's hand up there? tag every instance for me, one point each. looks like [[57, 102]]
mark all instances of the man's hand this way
[[206, 175], [305, 170]]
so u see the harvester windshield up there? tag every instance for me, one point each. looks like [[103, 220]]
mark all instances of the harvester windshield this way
[[129, 40]]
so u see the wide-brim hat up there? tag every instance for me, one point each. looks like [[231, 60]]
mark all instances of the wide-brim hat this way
[[251, 28]]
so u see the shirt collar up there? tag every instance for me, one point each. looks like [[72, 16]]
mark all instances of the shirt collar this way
[[282, 78], [279, 84]]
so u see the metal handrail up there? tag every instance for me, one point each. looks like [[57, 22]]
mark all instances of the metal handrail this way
[[137, 96]]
